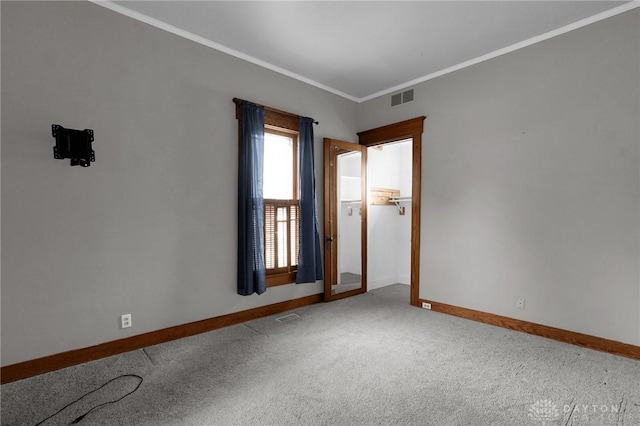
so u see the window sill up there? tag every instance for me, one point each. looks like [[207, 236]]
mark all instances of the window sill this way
[[281, 279]]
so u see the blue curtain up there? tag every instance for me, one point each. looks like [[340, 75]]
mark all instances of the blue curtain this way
[[251, 268], [309, 259]]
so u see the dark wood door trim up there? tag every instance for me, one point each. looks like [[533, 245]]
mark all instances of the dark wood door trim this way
[[408, 129], [392, 132]]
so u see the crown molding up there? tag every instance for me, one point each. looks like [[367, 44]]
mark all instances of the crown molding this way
[[206, 42], [217, 46], [517, 46]]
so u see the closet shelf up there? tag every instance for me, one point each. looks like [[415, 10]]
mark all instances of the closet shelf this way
[[350, 201], [382, 196]]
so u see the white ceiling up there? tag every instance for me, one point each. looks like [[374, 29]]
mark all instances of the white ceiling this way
[[362, 49]]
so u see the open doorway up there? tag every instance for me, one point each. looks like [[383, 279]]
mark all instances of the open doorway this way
[[381, 136], [342, 205], [389, 218]]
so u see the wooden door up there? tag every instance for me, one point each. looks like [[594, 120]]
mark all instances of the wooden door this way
[[345, 219]]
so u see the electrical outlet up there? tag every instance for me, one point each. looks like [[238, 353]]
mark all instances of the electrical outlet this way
[[125, 321], [520, 303], [426, 305]]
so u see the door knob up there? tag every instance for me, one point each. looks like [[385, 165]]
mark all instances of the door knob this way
[[329, 241]]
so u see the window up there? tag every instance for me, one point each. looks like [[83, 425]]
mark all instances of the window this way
[[280, 191]]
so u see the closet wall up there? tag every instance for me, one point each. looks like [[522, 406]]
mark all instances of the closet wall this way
[[389, 233]]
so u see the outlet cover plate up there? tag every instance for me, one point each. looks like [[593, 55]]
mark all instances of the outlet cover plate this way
[[125, 321]]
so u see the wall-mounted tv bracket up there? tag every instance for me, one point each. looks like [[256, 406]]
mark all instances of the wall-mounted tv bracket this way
[[73, 144]]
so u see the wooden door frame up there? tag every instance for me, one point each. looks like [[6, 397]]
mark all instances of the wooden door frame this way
[[329, 192], [408, 129]]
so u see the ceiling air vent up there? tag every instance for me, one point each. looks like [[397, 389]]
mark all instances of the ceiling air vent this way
[[402, 98]]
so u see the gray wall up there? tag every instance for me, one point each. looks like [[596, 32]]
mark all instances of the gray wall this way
[[530, 178], [530, 182], [150, 227]]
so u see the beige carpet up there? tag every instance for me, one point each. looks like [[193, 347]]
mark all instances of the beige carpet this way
[[365, 360]]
